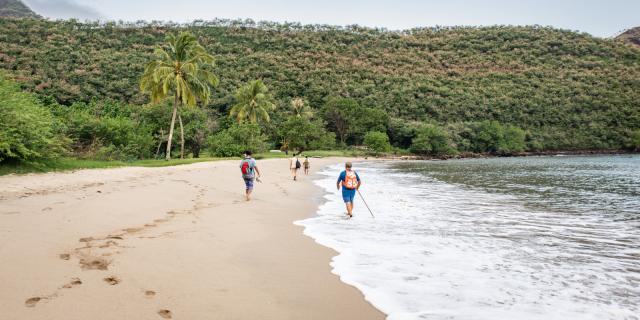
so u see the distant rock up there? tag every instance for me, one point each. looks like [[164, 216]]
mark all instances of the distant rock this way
[[630, 36], [16, 9]]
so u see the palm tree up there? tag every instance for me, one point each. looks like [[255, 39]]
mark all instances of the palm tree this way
[[300, 108], [180, 69], [253, 102]]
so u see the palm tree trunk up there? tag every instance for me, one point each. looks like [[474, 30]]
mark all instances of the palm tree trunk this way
[[181, 137], [160, 143], [173, 123]]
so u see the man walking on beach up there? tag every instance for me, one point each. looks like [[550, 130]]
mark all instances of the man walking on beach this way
[[306, 165], [249, 168], [294, 165], [350, 181]]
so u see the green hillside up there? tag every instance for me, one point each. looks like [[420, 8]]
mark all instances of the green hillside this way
[[564, 89], [15, 8]]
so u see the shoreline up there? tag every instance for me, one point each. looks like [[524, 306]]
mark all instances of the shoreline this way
[[471, 155], [177, 242]]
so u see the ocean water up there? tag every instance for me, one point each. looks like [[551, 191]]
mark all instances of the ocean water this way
[[503, 238]]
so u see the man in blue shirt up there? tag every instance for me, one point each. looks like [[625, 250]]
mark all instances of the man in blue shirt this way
[[249, 168], [350, 181]]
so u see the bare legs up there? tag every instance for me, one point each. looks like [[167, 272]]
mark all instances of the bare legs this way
[[349, 209]]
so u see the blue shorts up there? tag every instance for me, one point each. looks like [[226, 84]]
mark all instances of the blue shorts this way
[[248, 183], [348, 195]]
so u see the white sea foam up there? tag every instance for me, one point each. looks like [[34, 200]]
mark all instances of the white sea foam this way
[[442, 251]]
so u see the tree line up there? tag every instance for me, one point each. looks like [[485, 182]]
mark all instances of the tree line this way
[[429, 91]]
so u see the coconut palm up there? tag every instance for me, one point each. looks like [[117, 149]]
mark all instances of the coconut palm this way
[[180, 69], [253, 102], [300, 108]]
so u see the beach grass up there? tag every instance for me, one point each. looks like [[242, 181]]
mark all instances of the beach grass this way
[[67, 164]]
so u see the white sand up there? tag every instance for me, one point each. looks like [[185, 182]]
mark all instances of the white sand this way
[[180, 239]]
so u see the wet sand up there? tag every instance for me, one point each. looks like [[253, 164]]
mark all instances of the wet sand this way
[[167, 243]]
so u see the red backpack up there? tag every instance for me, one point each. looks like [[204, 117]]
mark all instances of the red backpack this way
[[245, 168]]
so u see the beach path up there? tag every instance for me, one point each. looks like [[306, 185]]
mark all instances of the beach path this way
[[166, 243]]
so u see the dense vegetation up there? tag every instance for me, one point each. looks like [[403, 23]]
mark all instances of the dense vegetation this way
[[435, 90]]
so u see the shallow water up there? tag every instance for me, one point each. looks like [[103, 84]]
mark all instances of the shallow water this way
[[501, 238]]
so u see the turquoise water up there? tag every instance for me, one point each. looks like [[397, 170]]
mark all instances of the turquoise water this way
[[499, 238]]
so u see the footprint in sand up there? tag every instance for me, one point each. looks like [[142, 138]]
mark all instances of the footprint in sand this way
[[94, 263], [108, 244], [165, 313], [31, 302], [74, 282], [113, 280]]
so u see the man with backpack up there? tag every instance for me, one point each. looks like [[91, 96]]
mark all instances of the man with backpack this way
[[350, 181], [249, 168], [294, 165]]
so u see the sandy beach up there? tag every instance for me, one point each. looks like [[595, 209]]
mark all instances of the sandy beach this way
[[159, 243]]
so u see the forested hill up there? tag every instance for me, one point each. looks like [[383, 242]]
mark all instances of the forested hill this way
[[15, 8], [631, 36], [567, 90]]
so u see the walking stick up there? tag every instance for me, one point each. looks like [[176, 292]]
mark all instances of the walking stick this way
[[365, 203]]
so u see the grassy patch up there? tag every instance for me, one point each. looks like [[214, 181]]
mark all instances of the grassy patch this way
[[66, 164], [75, 164]]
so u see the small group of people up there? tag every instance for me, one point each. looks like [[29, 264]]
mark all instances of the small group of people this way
[[295, 165], [348, 179]]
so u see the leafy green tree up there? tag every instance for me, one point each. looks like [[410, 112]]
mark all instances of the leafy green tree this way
[[337, 112], [302, 134], [365, 120], [232, 141], [180, 69], [378, 142], [431, 140], [253, 103], [27, 129]]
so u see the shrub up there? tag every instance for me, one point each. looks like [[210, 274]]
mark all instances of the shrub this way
[[633, 141], [431, 140], [123, 139], [232, 141], [492, 137], [302, 134], [27, 128], [377, 141], [513, 140]]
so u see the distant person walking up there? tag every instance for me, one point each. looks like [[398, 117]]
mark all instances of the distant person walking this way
[[249, 168], [306, 165], [350, 181], [294, 165]]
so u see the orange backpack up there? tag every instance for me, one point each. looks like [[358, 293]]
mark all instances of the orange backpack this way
[[350, 180]]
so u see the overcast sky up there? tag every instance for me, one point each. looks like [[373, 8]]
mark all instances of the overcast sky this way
[[603, 18]]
